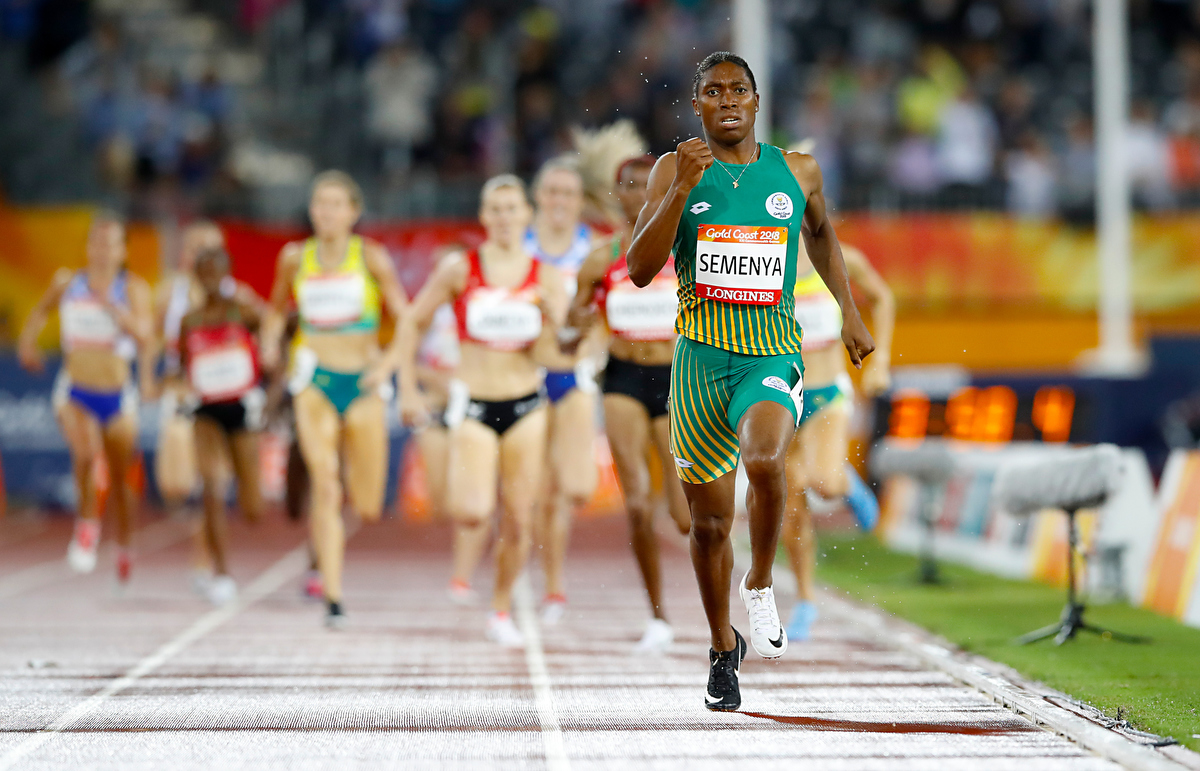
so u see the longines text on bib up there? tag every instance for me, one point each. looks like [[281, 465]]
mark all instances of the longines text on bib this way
[[741, 264]]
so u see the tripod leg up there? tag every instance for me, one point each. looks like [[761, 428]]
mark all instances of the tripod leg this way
[[1040, 634], [1118, 636]]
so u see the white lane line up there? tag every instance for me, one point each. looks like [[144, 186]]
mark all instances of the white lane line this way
[[285, 569], [539, 678], [149, 539]]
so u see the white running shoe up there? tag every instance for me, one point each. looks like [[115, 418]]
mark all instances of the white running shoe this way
[[81, 553], [766, 633], [554, 607], [501, 629], [461, 593], [656, 639], [221, 590], [201, 578]]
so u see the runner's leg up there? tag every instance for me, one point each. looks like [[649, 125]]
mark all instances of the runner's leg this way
[[471, 478], [628, 426], [319, 430], [522, 458], [120, 439], [210, 446], [365, 440]]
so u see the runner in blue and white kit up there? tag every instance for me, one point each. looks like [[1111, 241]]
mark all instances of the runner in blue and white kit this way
[[558, 238]]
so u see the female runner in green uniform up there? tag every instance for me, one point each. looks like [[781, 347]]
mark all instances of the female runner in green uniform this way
[[732, 210]]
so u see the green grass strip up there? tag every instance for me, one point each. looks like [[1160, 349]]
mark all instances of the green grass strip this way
[[1156, 687]]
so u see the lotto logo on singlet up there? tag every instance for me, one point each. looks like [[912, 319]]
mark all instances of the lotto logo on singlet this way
[[740, 264]]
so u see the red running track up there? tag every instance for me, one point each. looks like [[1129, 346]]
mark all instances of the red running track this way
[[157, 679]]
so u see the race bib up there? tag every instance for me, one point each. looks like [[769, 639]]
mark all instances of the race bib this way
[[740, 264], [643, 314], [88, 324], [218, 374], [332, 301], [820, 318], [496, 318]]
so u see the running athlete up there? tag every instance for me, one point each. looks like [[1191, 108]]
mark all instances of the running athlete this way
[[175, 455], [817, 458], [174, 458], [340, 380], [105, 320], [508, 307], [732, 209], [437, 360], [636, 381], [557, 238], [219, 357]]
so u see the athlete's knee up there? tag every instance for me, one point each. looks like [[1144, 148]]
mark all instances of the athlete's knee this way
[[640, 513], [711, 528], [764, 463], [517, 529], [829, 482], [467, 517], [83, 460], [326, 488]]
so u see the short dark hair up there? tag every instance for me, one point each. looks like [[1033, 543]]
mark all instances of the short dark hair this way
[[721, 57]]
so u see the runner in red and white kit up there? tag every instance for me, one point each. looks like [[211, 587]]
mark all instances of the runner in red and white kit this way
[[219, 356], [636, 384], [508, 308]]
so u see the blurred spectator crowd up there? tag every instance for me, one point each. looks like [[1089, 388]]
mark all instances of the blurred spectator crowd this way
[[908, 104]]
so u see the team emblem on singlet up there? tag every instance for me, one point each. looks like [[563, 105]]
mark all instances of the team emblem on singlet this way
[[741, 264], [779, 206]]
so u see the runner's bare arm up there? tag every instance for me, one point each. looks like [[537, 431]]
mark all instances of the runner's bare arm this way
[[27, 350], [138, 320], [275, 319], [581, 315], [671, 181], [546, 351], [826, 255], [180, 376], [141, 327], [384, 272], [449, 279], [253, 307], [875, 379]]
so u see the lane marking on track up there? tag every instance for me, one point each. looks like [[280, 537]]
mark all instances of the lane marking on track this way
[[539, 678], [148, 540], [286, 568]]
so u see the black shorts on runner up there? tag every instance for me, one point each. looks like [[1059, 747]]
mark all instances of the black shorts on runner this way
[[649, 384]]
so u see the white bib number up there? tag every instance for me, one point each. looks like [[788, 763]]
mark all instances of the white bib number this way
[[743, 265], [222, 373], [499, 320], [331, 301], [87, 323], [645, 314], [820, 318]]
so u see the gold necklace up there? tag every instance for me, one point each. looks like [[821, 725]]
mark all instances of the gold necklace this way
[[739, 176]]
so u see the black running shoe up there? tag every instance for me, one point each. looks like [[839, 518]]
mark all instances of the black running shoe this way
[[723, 692], [335, 617]]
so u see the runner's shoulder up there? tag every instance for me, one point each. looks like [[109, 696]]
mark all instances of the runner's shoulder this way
[[803, 166]]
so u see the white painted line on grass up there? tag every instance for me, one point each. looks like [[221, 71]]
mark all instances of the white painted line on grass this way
[[539, 677], [286, 568]]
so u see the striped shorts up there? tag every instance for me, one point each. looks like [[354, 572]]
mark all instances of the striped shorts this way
[[711, 389]]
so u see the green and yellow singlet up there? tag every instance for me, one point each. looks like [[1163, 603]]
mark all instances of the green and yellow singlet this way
[[735, 254], [342, 300]]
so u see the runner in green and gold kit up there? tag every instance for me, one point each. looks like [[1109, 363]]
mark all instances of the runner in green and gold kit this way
[[733, 211]]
